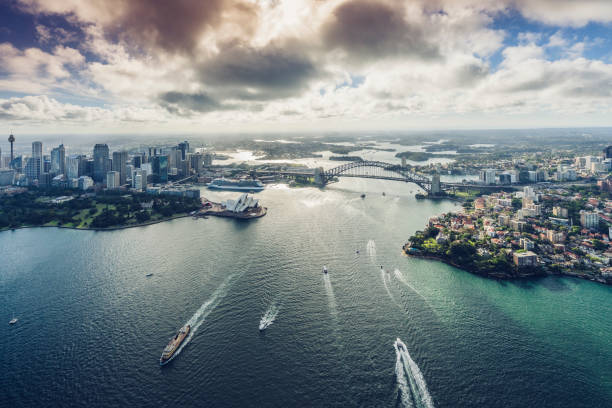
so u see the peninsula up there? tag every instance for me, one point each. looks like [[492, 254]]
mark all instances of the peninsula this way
[[522, 234], [67, 208]]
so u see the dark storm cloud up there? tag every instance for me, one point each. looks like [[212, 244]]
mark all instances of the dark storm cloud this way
[[243, 72], [374, 29], [177, 102], [171, 25]]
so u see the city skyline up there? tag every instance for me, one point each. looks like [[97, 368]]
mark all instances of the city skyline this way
[[252, 66]]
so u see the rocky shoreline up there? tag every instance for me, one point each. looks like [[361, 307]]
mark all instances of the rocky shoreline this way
[[504, 276]]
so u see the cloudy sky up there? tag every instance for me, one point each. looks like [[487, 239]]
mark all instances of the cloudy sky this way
[[300, 65]]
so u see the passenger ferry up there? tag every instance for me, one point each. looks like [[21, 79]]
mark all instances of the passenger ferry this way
[[174, 344]]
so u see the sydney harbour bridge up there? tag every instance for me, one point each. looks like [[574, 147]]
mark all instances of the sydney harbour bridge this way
[[377, 170], [365, 169], [381, 171]]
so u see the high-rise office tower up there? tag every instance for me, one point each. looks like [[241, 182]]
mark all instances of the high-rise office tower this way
[[100, 159], [197, 162], [58, 160], [184, 148], [37, 150], [32, 169], [120, 165], [72, 167], [159, 166]]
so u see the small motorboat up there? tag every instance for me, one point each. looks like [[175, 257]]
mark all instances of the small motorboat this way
[[324, 269], [149, 274], [13, 320]]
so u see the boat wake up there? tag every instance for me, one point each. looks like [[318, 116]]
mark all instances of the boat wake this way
[[402, 279], [371, 248], [268, 318], [333, 307], [384, 275], [410, 380], [207, 307]]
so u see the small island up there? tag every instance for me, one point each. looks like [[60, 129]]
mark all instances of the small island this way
[[423, 156], [346, 158]]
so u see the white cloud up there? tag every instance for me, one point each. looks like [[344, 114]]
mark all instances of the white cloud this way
[[441, 68]]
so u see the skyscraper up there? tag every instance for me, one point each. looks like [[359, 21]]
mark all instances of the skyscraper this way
[[119, 165], [159, 166], [72, 167], [37, 150], [32, 169], [100, 156], [34, 165], [58, 160], [184, 148], [197, 161]]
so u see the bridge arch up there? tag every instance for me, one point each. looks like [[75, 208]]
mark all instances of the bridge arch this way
[[359, 169]]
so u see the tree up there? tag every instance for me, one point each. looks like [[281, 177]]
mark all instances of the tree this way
[[599, 245], [143, 216], [431, 232], [462, 252]]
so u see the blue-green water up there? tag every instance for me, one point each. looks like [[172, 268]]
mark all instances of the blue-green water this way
[[92, 326]]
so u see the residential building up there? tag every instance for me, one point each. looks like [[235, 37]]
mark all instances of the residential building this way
[[524, 259], [589, 219], [526, 244], [555, 237], [487, 176], [560, 212]]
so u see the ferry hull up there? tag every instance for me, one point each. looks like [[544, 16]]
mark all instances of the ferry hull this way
[[176, 344]]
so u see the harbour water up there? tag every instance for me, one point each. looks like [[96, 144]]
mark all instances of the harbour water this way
[[92, 326]]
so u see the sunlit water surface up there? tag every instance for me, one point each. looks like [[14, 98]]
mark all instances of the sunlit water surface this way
[[379, 330]]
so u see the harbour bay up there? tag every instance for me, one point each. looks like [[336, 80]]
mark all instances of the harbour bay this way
[[92, 325]]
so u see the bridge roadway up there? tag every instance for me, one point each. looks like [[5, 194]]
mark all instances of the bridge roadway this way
[[382, 171]]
